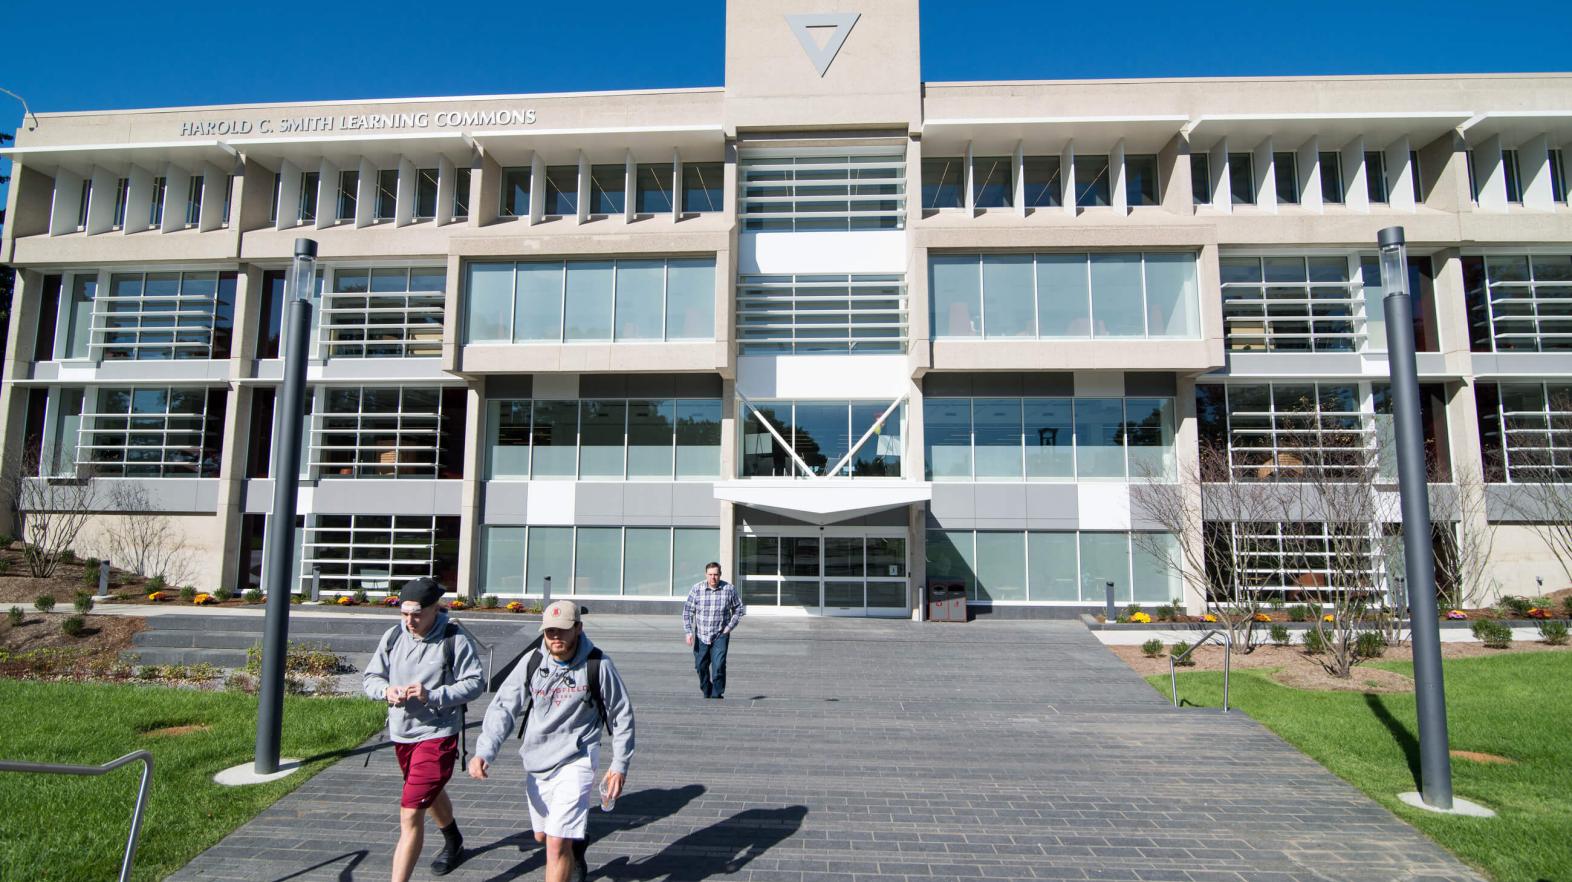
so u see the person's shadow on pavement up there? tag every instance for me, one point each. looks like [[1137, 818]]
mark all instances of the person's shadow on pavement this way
[[721, 848], [633, 810]]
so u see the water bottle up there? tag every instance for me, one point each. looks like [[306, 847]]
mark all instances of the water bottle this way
[[606, 799]]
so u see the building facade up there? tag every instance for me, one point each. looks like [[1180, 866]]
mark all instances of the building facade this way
[[848, 333]]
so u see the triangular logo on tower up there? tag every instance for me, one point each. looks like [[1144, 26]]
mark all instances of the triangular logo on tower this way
[[822, 56]]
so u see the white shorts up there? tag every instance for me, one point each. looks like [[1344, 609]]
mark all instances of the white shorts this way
[[559, 801]]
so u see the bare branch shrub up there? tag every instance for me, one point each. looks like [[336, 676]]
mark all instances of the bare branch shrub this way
[[143, 539], [49, 511]]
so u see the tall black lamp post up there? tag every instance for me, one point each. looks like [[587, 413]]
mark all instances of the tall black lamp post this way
[[1435, 762], [298, 288]]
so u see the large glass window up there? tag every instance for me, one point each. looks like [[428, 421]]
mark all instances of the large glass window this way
[[1092, 187], [703, 184], [821, 433], [1048, 438], [1012, 566], [562, 190], [655, 193], [596, 561], [1294, 304], [942, 183], [822, 190], [1525, 432], [992, 182], [608, 189], [1296, 431], [1044, 181], [603, 433], [392, 312], [1120, 294], [385, 432], [604, 439], [1519, 302], [378, 552], [163, 315], [79, 332], [157, 432], [584, 300]]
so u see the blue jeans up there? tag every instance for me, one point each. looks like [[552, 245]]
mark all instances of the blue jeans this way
[[711, 656]]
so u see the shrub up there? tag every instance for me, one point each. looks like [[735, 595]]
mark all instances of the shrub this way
[[1370, 644], [239, 682], [297, 598], [14, 615], [360, 595], [1492, 633], [1179, 657], [1132, 609], [1553, 633], [6, 540], [1315, 642], [83, 602], [1153, 648], [1167, 612], [489, 601], [1566, 605], [188, 594], [68, 556], [73, 625], [1300, 612], [1280, 635], [5, 567], [1512, 604], [44, 602], [223, 594], [300, 659], [252, 595], [90, 573], [155, 584]]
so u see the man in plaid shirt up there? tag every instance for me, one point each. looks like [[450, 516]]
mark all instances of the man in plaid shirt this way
[[712, 610]]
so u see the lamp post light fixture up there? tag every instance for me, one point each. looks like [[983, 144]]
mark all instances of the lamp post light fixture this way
[[299, 286], [1434, 761]]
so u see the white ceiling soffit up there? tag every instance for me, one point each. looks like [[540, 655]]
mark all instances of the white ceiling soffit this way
[[823, 500], [1048, 134], [83, 158], [1333, 130], [348, 150], [823, 56], [702, 142], [1515, 127]]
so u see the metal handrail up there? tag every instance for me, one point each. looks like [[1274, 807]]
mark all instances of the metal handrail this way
[[1228, 653], [94, 771]]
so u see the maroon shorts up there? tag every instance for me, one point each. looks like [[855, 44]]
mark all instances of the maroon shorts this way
[[427, 766]]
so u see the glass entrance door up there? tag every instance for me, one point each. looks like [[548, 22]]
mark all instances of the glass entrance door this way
[[839, 572]]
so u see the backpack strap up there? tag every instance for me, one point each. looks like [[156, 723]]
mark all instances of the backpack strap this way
[[449, 634], [530, 667], [592, 668]]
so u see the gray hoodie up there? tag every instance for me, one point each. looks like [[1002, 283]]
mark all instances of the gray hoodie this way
[[419, 660], [563, 721]]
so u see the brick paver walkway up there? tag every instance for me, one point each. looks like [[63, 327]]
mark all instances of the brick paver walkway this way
[[877, 750]]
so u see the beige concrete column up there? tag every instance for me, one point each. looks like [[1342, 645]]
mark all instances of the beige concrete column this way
[[729, 461], [25, 300], [1188, 459], [253, 199], [1173, 164], [472, 488], [917, 556]]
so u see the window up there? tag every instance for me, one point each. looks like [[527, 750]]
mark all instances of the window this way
[[1200, 179], [607, 439], [1285, 170], [1514, 177], [387, 194], [229, 194], [122, 196], [425, 193], [515, 192], [278, 194], [822, 433], [562, 190], [164, 315], [606, 561], [821, 313], [1525, 432], [942, 183], [1416, 177], [670, 299], [386, 432], [1091, 181], [461, 184], [1558, 176], [1302, 559], [1241, 178], [1044, 183], [1140, 179], [608, 189], [157, 432], [992, 182], [1293, 304], [48, 317], [655, 192], [702, 185], [1055, 567], [194, 201], [1375, 177], [348, 193], [1473, 180], [1295, 431], [1054, 295], [155, 210], [83, 202], [307, 208], [1519, 302], [820, 191], [378, 552], [1331, 177], [1048, 439], [383, 313], [79, 317]]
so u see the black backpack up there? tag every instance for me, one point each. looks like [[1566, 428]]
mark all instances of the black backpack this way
[[591, 667], [449, 634]]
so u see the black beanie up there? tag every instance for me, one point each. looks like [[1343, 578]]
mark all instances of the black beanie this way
[[424, 591]]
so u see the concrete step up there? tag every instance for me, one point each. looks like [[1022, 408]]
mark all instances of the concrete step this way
[[156, 655]]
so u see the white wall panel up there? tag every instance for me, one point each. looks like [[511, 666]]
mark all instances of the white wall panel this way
[[860, 251]]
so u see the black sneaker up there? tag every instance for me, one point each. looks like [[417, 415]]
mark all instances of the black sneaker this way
[[450, 857]]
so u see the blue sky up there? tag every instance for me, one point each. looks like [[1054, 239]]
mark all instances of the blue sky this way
[[98, 55]]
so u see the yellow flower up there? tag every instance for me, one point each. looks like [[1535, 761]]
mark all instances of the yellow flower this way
[[1209, 618], [458, 604], [202, 599], [345, 600], [157, 595], [1328, 618], [1141, 617], [1261, 617], [515, 606]]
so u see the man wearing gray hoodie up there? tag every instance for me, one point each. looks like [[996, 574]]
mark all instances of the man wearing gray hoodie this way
[[561, 744], [425, 671]]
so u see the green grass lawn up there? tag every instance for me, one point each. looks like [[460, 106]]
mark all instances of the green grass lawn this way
[[1515, 706], [67, 828]]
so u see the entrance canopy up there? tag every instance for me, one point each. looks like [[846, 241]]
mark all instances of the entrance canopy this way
[[823, 501]]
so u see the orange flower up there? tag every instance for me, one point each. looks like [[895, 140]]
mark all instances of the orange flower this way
[[157, 596], [202, 599], [515, 606], [1261, 617]]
